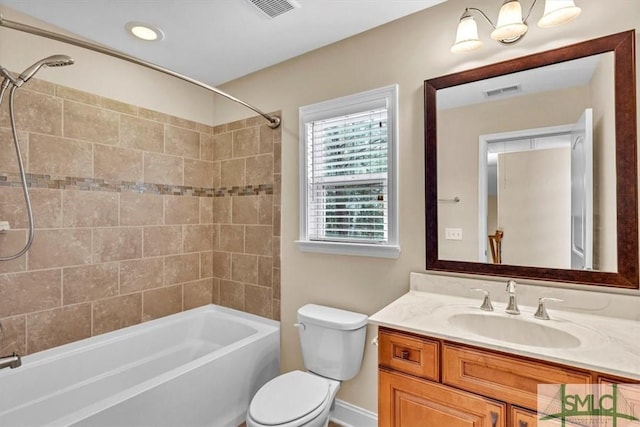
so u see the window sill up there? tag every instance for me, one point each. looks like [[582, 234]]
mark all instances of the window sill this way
[[357, 249]]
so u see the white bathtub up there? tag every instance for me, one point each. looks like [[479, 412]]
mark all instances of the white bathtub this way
[[196, 368]]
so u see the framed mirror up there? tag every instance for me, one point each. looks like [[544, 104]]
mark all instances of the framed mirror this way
[[531, 167]]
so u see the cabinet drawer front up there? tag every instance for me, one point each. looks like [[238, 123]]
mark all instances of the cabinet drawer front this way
[[522, 418], [407, 401], [497, 375], [412, 355]]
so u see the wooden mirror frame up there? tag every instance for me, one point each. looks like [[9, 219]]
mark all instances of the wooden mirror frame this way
[[623, 47]]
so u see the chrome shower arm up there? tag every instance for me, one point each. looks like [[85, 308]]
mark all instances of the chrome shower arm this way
[[274, 121]]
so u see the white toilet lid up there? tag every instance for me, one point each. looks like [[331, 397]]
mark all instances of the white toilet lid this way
[[288, 397]]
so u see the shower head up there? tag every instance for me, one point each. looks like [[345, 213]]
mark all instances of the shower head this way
[[51, 61]]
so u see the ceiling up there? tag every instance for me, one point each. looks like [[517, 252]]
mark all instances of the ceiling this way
[[216, 41]]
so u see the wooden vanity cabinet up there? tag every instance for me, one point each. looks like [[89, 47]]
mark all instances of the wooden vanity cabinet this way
[[427, 382]]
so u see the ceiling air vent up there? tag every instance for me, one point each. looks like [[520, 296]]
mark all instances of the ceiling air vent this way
[[273, 8], [507, 90]]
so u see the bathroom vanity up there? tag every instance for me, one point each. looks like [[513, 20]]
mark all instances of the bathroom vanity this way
[[442, 363]]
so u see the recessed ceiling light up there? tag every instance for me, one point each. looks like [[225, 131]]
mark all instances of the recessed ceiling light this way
[[145, 31]]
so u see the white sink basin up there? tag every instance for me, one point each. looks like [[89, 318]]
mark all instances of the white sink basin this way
[[520, 330], [514, 330]]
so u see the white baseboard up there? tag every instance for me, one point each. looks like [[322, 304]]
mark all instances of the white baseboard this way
[[348, 415]]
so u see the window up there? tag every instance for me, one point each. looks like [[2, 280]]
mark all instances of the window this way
[[348, 193]]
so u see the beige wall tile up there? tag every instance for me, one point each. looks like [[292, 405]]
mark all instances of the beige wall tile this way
[[115, 313], [259, 170], [276, 310], [223, 146], [259, 239], [183, 123], [197, 294], [181, 142], [232, 173], [244, 268], [216, 291], [265, 209], [181, 268], [221, 264], [162, 240], [41, 86], [88, 283], [141, 274], [12, 242], [206, 265], [276, 252], [246, 142], [161, 302], [8, 158], [257, 300], [204, 128], [232, 294], [266, 139], [94, 124], [59, 248], [163, 169], [90, 208], [198, 173], [276, 220], [47, 207], [141, 209], [255, 121], [206, 146], [120, 107], [216, 237], [265, 271], [154, 115], [77, 95], [219, 128], [206, 210], [222, 210], [276, 283], [59, 326], [181, 210], [35, 112], [198, 238], [238, 124], [116, 244], [141, 134], [244, 209], [59, 156], [33, 291], [217, 174], [232, 238], [117, 164], [14, 336]]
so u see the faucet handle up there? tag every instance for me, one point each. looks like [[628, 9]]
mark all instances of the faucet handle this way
[[486, 302], [511, 286], [541, 312]]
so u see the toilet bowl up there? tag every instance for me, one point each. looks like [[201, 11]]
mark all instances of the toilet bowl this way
[[332, 342], [294, 399]]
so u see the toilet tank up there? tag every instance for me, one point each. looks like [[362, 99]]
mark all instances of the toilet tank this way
[[332, 340]]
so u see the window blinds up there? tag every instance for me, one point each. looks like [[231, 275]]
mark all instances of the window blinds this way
[[347, 178]]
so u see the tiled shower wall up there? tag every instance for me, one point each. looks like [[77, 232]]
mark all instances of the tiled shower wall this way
[[138, 215]]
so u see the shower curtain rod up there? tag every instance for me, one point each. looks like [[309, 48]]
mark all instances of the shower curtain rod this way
[[274, 121]]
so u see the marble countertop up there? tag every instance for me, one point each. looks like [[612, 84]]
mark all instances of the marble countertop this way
[[607, 344]]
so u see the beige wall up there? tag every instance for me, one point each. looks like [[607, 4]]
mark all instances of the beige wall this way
[[406, 52]]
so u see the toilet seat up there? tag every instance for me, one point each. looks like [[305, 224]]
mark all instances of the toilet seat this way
[[295, 396]]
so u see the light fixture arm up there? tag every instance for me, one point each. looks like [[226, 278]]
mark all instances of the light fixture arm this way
[[484, 15]]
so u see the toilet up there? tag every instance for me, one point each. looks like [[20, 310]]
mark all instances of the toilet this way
[[332, 342]]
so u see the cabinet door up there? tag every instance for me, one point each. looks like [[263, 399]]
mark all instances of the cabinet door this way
[[522, 418], [411, 402]]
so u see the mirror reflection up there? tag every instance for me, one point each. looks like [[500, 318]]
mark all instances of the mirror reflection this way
[[527, 169]]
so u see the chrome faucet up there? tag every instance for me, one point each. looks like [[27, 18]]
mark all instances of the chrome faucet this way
[[13, 361], [512, 304]]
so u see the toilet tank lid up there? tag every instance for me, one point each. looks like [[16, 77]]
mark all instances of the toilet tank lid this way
[[330, 317]]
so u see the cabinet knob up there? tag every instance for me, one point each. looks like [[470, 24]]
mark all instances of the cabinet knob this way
[[523, 424], [494, 419], [405, 354]]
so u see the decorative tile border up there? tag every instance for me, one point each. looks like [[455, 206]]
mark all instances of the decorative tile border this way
[[90, 184]]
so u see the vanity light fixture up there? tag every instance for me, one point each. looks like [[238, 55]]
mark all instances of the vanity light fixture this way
[[144, 31], [511, 25]]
